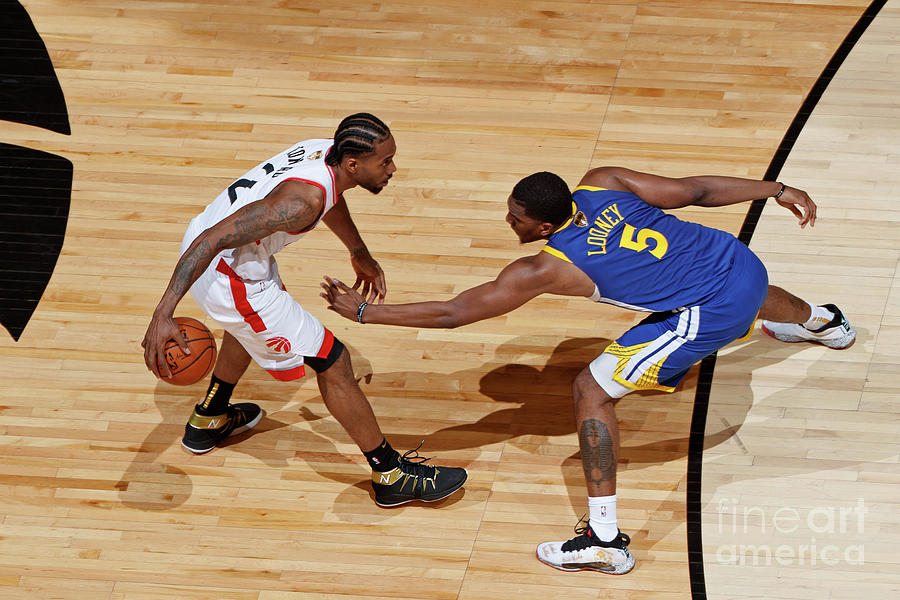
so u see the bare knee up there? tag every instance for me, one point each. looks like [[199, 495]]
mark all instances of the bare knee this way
[[585, 389]]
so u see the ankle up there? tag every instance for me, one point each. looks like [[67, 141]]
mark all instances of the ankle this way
[[217, 397], [603, 517], [383, 458], [818, 318]]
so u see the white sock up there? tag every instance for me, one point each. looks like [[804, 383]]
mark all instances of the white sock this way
[[819, 315], [603, 517]]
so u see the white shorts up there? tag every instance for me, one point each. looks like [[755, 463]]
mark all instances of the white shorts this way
[[271, 326]]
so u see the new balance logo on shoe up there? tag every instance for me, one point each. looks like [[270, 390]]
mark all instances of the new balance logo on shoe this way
[[401, 484], [202, 433]]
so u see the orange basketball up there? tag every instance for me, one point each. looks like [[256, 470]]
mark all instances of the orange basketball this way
[[188, 369]]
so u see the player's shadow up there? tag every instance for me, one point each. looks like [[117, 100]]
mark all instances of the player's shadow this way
[[654, 426], [159, 477], [537, 403], [543, 406]]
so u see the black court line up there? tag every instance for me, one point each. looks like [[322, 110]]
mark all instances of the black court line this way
[[707, 366]]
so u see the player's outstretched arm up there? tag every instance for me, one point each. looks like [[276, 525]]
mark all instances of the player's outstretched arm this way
[[286, 208], [368, 271], [518, 283], [703, 190]]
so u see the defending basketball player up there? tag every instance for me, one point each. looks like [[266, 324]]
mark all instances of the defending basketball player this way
[[610, 241], [228, 264]]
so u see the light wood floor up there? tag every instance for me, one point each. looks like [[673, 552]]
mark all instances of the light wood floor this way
[[812, 472], [170, 101]]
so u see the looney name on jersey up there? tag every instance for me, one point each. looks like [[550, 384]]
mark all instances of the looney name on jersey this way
[[601, 228]]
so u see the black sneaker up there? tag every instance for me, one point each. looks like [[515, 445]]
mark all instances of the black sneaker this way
[[585, 552], [414, 480], [202, 433]]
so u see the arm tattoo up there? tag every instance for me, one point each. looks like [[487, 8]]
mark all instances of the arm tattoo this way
[[597, 452], [257, 220], [188, 269], [253, 222]]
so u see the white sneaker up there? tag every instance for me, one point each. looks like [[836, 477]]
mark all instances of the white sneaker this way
[[837, 333], [585, 552]]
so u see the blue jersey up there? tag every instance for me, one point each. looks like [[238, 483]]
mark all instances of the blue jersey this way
[[640, 257]]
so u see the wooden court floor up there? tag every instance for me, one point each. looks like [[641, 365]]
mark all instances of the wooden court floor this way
[[170, 101]]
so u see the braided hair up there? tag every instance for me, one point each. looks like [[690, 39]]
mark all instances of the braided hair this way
[[357, 135], [544, 196]]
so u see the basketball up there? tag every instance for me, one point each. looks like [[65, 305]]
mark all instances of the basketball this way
[[188, 369]]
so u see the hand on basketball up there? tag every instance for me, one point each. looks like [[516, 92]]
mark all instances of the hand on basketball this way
[[341, 299], [369, 275], [160, 330], [799, 203]]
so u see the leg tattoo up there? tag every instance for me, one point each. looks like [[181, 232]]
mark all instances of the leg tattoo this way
[[597, 455]]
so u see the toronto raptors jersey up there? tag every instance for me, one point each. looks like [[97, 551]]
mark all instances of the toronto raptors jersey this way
[[638, 256], [305, 161]]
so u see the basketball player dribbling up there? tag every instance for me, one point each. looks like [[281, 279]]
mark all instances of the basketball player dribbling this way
[[228, 264], [610, 241]]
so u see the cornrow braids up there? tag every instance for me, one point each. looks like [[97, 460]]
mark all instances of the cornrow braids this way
[[357, 135]]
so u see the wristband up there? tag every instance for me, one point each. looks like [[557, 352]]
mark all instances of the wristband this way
[[359, 311], [780, 192]]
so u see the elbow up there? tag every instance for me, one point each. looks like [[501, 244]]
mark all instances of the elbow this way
[[450, 321], [700, 193], [203, 246], [450, 318], [703, 198]]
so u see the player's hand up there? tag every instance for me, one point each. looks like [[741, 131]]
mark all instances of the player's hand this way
[[160, 330], [799, 203], [369, 275], [341, 299]]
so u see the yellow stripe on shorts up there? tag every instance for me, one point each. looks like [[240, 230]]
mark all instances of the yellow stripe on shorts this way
[[649, 380]]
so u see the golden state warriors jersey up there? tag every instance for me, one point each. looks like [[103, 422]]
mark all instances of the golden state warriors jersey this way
[[639, 256]]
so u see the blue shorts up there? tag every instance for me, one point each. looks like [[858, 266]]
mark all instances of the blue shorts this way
[[657, 353]]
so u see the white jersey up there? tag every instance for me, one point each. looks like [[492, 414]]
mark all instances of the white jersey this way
[[304, 161]]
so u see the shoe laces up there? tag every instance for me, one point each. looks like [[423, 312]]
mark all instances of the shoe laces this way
[[586, 538], [413, 464], [237, 416]]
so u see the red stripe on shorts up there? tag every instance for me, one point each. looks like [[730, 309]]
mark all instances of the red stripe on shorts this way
[[239, 294], [288, 375], [327, 343]]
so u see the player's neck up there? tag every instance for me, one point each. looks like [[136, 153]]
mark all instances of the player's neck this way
[[342, 181]]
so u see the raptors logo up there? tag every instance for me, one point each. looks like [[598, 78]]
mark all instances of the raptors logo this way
[[36, 186], [279, 344]]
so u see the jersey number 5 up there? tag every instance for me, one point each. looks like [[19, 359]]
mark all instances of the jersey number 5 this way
[[639, 242]]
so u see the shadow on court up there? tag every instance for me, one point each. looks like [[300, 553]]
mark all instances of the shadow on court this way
[[533, 402]]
